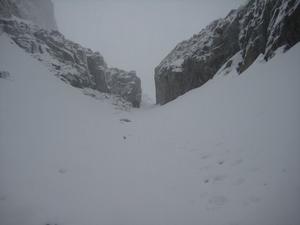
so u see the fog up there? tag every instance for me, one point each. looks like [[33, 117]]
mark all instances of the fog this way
[[223, 154], [136, 34]]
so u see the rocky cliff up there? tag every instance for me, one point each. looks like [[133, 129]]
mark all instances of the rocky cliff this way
[[234, 42], [79, 66], [40, 12]]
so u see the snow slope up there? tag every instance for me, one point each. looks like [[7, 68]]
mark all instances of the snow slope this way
[[226, 153]]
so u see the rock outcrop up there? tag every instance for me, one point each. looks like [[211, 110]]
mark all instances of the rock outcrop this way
[[72, 63], [125, 84], [39, 12], [234, 42]]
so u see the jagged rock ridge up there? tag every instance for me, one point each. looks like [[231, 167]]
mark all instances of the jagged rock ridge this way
[[234, 42], [72, 63]]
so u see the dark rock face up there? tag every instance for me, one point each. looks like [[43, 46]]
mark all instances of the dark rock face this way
[[97, 67], [72, 63], [8, 8], [125, 84], [260, 27]]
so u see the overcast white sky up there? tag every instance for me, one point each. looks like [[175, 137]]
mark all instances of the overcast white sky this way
[[137, 34]]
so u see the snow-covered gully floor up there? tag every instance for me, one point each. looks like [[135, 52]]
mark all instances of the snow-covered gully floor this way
[[227, 153]]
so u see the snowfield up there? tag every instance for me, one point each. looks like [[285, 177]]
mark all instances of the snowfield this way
[[227, 153]]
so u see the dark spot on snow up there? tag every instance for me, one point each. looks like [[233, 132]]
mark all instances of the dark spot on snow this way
[[62, 171], [124, 137], [221, 162], [125, 120], [4, 74], [206, 181]]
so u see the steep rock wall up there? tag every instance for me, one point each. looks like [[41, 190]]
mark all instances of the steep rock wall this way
[[259, 27]]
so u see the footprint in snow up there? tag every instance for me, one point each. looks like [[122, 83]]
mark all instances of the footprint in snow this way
[[219, 144], [237, 162], [194, 150], [216, 202], [219, 178], [239, 181], [204, 168], [254, 199], [251, 200], [205, 156]]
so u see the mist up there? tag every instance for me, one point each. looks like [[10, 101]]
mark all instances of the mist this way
[[79, 146], [137, 35]]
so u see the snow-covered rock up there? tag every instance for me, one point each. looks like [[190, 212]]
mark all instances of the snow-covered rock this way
[[40, 12], [259, 27], [125, 84], [79, 66]]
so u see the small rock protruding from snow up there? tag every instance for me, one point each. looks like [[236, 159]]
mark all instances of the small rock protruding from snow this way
[[125, 120], [4, 74]]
